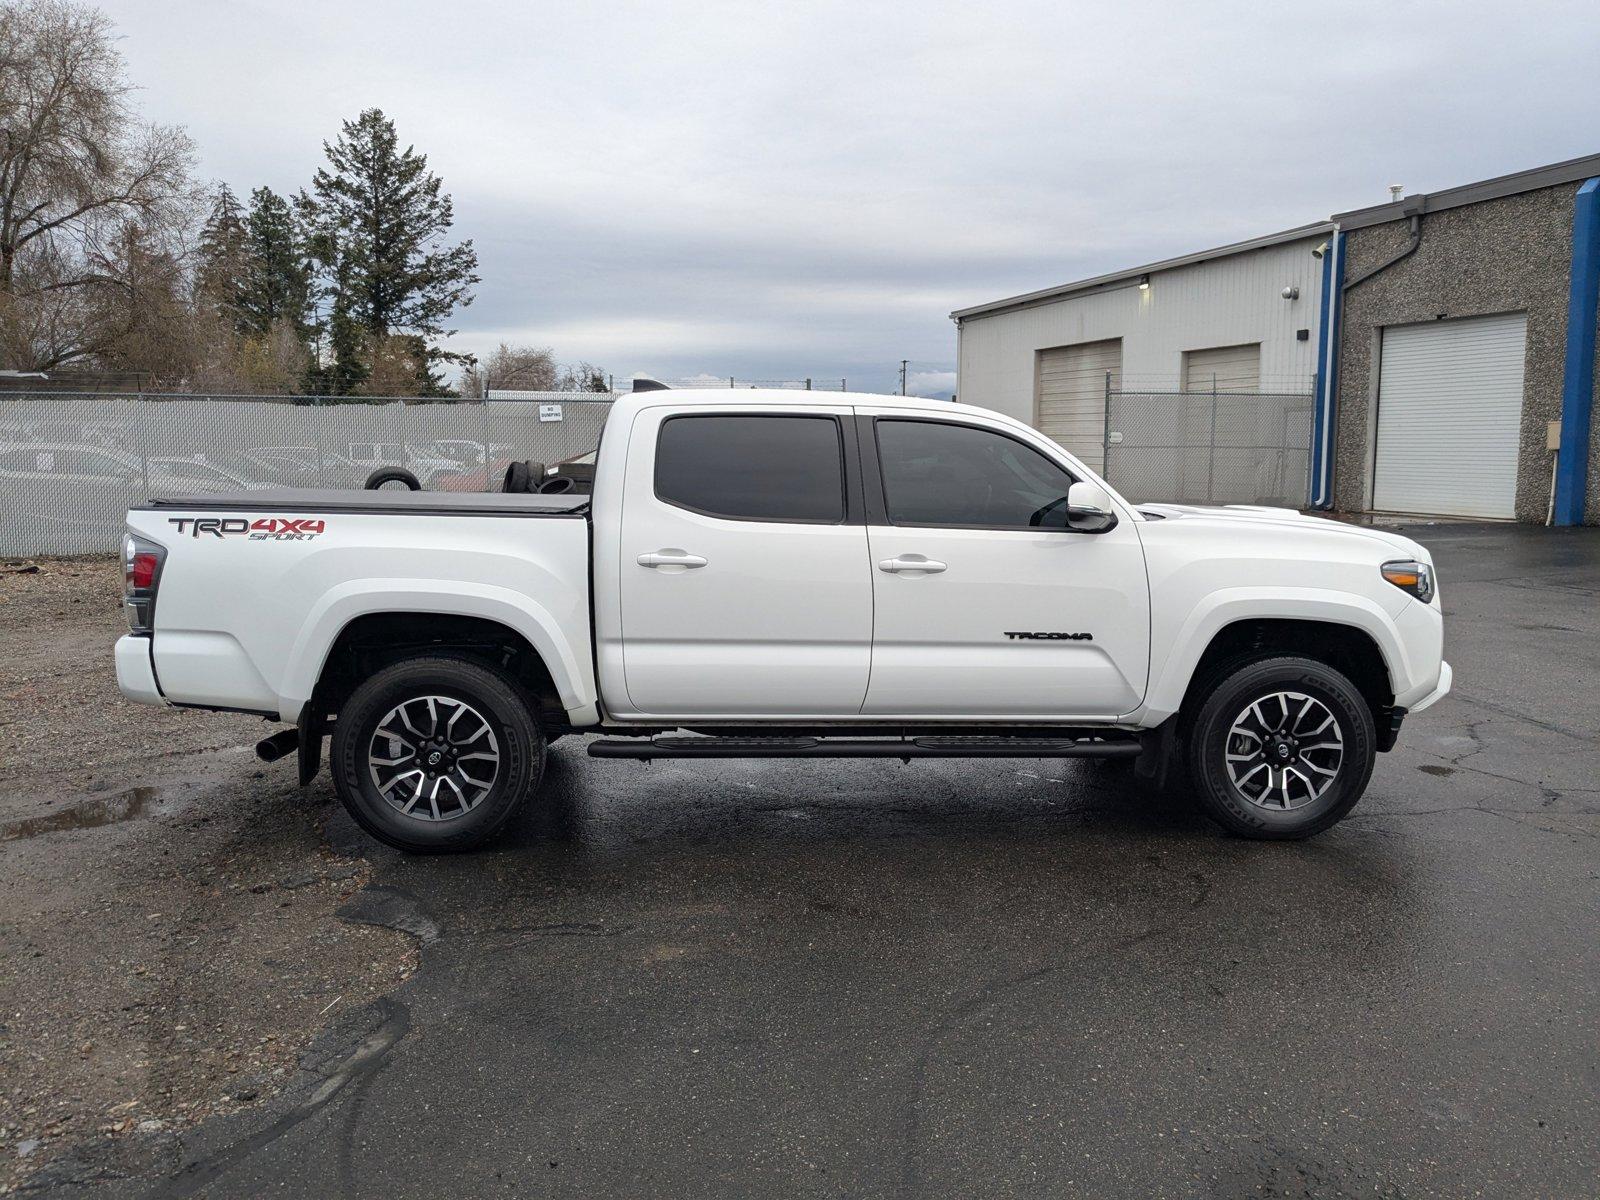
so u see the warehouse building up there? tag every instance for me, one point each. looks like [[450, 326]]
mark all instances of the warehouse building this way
[[1243, 318], [1465, 327], [1433, 355]]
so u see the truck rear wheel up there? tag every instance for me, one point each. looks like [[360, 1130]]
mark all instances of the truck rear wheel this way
[[434, 754], [1281, 748]]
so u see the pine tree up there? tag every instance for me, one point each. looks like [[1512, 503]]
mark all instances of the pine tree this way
[[221, 274], [278, 275], [378, 220]]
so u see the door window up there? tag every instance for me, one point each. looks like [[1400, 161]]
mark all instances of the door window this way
[[939, 473], [753, 468]]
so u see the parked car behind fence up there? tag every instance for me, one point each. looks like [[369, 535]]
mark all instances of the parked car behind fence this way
[[105, 452]]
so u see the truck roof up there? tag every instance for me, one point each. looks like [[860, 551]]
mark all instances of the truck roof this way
[[791, 398]]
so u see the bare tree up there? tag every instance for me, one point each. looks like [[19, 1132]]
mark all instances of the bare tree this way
[[226, 361], [581, 377], [399, 366], [91, 199], [512, 368]]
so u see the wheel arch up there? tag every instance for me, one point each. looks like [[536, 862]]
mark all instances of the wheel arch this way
[[1346, 648], [379, 621], [376, 640]]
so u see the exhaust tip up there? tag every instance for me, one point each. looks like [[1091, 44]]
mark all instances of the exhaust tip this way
[[271, 749]]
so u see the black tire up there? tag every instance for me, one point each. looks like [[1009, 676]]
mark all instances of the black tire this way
[[387, 475], [515, 737], [523, 476], [1228, 700]]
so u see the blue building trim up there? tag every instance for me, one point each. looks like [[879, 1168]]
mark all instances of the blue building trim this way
[[1577, 381], [1322, 421]]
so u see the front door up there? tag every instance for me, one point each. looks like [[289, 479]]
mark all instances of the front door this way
[[985, 605], [745, 589]]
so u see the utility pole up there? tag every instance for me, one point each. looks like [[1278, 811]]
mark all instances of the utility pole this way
[[903, 363]]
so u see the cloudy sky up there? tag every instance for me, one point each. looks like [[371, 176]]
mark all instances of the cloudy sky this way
[[791, 190]]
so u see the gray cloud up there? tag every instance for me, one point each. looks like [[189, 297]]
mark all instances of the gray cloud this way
[[808, 189]]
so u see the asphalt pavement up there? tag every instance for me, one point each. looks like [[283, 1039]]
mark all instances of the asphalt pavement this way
[[994, 978]]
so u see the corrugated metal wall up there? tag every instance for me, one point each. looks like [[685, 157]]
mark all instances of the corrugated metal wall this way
[[1224, 302]]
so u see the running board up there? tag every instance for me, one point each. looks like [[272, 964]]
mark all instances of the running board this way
[[1109, 745]]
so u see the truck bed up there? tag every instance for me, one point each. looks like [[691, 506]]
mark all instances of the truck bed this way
[[403, 503], [256, 586]]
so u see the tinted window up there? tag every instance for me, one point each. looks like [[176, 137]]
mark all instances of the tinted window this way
[[936, 473], [753, 468]]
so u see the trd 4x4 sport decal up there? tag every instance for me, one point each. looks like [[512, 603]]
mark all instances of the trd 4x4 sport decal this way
[[274, 529]]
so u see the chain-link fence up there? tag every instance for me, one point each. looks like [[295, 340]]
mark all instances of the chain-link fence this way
[[71, 465], [1209, 448]]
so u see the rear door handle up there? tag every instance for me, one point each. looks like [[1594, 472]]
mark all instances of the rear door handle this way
[[910, 563], [671, 558]]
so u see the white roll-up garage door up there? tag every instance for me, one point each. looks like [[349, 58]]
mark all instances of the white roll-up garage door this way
[[1072, 396], [1223, 369], [1450, 416]]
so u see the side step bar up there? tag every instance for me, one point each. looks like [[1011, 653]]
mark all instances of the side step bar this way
[[1108, 745]]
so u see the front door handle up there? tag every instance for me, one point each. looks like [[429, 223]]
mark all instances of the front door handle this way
[[671, 558], [907, 563]]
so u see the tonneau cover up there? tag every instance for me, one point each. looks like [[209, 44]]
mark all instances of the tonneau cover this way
[[381, 500]]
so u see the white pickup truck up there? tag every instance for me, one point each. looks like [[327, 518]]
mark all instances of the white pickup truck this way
[[780, 574]]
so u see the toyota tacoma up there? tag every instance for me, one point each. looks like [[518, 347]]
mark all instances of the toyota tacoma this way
[[773, 574]]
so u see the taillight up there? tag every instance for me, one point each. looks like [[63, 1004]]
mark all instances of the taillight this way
[[141, 575]]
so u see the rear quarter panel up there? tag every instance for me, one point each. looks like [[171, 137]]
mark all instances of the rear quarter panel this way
[[247, 622]]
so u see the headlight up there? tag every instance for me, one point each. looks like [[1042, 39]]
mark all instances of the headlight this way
[[1410, 576]]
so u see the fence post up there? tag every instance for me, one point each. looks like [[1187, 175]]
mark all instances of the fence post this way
[[316, 423], [488, 446], [144, 444], [1105, 434], [1211, 452]]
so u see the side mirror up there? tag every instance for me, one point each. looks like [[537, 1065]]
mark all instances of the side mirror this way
[[1089, 509]]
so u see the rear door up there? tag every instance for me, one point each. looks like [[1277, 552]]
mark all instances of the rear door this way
[[744, 583], [985, 606]]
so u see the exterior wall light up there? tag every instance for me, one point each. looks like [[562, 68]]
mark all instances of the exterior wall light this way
[[1144, 283]]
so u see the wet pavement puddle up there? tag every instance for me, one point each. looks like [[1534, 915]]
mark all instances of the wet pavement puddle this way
[[89, 813]]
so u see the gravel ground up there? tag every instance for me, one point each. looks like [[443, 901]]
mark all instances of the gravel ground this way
[[168, 944]]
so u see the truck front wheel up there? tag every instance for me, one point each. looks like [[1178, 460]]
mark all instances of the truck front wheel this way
[[434, 754], [1281, 748]]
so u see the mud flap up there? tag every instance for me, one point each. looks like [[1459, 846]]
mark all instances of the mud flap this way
[[1157, 756], [311, 728], [1389, 728]]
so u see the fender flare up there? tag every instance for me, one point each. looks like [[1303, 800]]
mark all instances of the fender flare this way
[[1228, 606], [363, 597]]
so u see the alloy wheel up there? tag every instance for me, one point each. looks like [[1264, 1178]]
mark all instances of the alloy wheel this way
[[1284, 750], [433, 758]]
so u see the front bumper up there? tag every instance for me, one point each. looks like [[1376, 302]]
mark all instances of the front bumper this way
[[1438, 693], [136, 676]]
